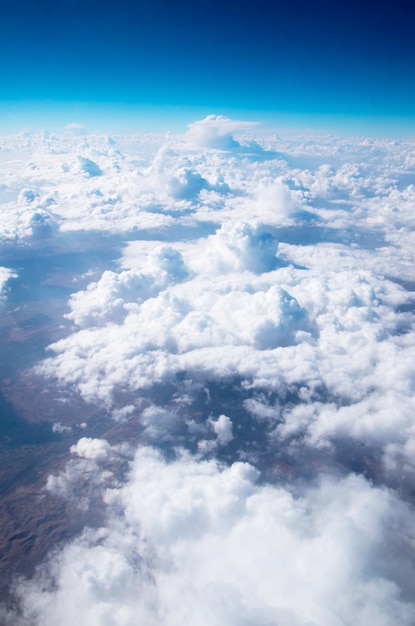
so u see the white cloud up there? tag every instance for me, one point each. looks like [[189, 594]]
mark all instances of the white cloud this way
[[237, 247], [109, 299], [262, 310], [57, 427], [94, 465], [88, 448], [5, 275], [192, 542], [216, 131], [75, 129], [159, 425], [27, 196], [223, 429], [275, 201], [228, 307], [89, 167], [171, 332]]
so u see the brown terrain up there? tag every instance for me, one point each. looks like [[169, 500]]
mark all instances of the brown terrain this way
[[32, 520]]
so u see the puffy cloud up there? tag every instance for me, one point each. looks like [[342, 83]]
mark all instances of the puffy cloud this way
[[190, 541], [27, 196], [94, 465], [160, 426], [276, 202], [75, 129], [88, 448], [5, 275], [58, 427], [41, 225], [223, 429], [108, 299], [89, 167], [238, 247], [215, 131], [172, 331], [261, 316], [172, 176], [323, 328]]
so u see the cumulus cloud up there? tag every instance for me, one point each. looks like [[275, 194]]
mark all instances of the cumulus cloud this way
[[172, 176], [324, 330], [183, 327], [90, 470], [41, 224], [193, 542], [75, 129], [88, 448], [5, 275], [89, 167], [259, 314], [216, 131], [238, 247], [109, 299], [276, 202], [27, 196], [223, 429]]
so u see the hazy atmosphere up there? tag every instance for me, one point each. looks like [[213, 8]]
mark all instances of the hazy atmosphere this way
[[207, 290]]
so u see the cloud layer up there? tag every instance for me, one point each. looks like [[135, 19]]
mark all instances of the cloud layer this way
[[190, 541], [252, 319]]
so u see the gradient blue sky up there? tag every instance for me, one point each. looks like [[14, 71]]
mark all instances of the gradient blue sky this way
[[161, 63]]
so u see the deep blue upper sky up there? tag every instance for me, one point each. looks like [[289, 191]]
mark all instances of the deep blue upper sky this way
[[299, 58]]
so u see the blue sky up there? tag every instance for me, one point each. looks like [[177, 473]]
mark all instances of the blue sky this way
[[308, 63]]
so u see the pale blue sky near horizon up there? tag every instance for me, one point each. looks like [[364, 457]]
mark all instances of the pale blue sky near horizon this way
[[116, 118]]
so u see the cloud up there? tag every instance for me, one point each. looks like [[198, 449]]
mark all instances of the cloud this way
[[89, 167], [28, 196], [75, 129], [251, 317], [238, 247], [215, 131], [172, 176], [160, 426], [90, 470], [192, 541], [174, 329], [276, 202], [109, 299], [87, 448], [223, 429], [5, 275], [324, 331]]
